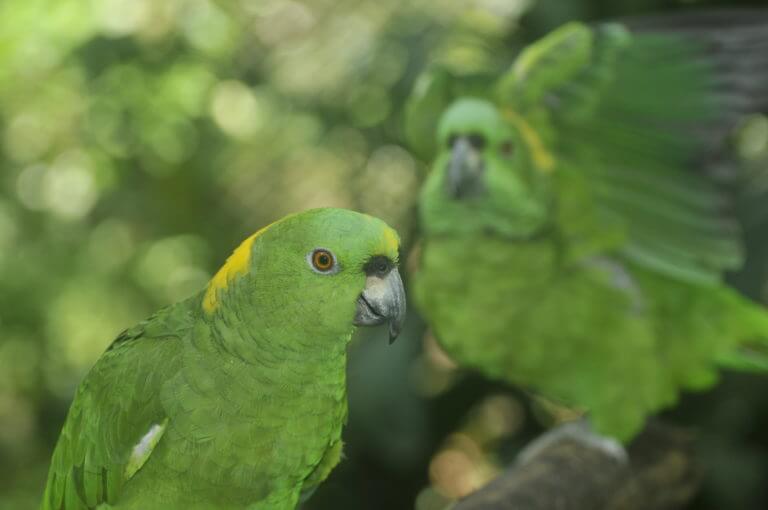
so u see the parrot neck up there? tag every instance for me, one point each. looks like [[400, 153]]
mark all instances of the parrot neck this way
[[268, 336], [253, 340], [254, 353]]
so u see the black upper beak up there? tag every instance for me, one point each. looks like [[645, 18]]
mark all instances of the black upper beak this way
[[382, 300], [464, 175]]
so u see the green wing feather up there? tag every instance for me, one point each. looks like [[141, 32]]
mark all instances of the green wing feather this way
[[643, 117], [115, 406]]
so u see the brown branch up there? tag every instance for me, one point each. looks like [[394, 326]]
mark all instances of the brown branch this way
[[569, 474]]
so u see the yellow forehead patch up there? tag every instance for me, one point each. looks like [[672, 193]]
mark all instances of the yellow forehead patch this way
[[541, 156], [236, 265], [390, 241]]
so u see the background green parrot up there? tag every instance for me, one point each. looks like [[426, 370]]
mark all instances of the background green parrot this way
[[578, 220], [235, 397]]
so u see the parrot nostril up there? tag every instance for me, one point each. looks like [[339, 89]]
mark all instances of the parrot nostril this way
[[378, 266], [477, 141]]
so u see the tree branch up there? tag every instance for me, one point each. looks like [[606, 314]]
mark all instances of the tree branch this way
[[567, 473]]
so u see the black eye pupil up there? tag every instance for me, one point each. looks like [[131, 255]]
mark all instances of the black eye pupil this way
[[322, 260]]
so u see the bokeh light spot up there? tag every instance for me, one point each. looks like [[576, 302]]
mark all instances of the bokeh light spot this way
[[236, 110], [119, 18], [69, 189], [172, 268]]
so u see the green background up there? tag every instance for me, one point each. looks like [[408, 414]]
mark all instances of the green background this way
[[141, 140]]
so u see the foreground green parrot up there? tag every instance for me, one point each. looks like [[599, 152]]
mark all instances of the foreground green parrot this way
[[576, 222], [234, 398]]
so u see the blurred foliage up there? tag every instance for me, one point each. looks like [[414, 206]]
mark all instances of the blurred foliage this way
[[140, 140]]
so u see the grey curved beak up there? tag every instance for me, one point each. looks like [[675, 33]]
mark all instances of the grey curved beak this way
[[464, 175], [382, 300]]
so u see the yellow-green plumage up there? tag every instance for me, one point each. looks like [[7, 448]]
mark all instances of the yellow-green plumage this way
[[244, 388], [576, 229]]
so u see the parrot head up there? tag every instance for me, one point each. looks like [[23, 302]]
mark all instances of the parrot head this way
[[318, 272], [483, 178]]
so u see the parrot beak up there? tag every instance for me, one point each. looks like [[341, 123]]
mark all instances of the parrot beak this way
[[382, 300], [464, 176]]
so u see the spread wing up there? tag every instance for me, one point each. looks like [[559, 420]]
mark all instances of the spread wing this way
[[641, 111]]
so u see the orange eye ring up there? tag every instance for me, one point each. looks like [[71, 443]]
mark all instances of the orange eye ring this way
[[322, 260]]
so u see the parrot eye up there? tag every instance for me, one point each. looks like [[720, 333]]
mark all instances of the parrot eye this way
[[506, 148], [322, 261]]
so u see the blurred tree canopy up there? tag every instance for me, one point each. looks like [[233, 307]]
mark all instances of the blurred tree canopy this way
[[140, 140]]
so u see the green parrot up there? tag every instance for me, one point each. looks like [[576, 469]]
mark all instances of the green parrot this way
[[578, 219], [236, 397]]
